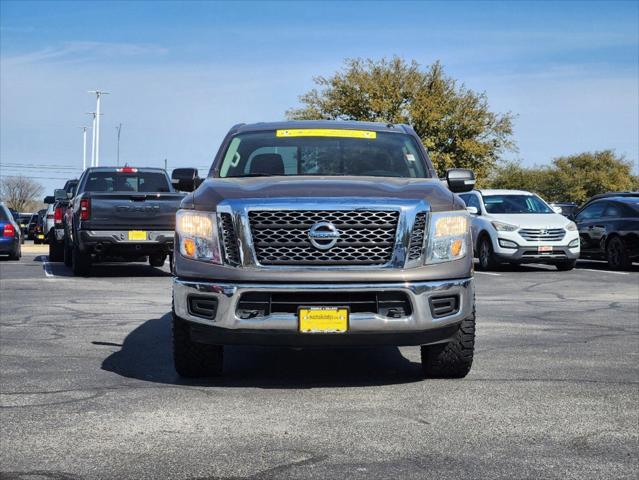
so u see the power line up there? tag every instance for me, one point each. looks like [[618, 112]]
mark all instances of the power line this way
[[39, 169], [39, 178]]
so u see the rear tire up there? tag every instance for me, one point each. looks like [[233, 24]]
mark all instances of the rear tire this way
[[17, 254], [192, 359], [157, 260], [616, 254], [56, 252], [68, 255], [566, 266], [452, 359], [486, 255], [80, 262]]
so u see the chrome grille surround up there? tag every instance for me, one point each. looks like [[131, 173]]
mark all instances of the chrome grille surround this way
[[229, 239], [404, 211], [542, 234]]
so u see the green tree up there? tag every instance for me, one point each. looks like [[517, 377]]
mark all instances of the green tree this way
[[454, 123], [585, 174], [572, 178]]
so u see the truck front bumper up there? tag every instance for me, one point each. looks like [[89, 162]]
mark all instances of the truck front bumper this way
[[420, 325]]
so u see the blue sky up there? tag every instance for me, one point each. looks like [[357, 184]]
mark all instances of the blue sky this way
[[181, 73]]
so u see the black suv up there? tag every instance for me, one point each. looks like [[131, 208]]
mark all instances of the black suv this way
[[609, 228]]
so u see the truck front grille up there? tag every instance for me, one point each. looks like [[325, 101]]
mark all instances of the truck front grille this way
[[281, 237], [535, 234]]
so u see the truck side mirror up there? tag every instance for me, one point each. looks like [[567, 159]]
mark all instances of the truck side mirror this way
[[60, 194], [460, 180], [49, 199], [185, 179]]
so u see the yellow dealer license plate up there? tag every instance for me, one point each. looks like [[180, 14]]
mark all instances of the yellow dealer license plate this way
[[137, 235], [40, 236], [323, 319]]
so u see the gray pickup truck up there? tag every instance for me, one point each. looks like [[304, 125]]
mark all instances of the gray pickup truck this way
[[120, 212], [324, 234]]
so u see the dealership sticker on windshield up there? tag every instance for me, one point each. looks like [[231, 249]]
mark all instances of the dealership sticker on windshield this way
[[326, 132]]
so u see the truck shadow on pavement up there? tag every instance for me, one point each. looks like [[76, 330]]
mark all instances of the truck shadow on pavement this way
[[106, 269], [146, 355]]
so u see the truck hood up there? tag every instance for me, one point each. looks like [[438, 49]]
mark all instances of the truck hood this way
[[215, 190], [532, 220]]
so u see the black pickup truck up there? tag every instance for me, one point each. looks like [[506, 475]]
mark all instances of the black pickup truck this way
[[123, 213]]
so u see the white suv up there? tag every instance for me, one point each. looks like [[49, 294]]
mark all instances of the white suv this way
[[516, 226]]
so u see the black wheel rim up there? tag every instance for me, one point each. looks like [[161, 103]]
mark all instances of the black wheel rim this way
[[614, 252], [483, 254]]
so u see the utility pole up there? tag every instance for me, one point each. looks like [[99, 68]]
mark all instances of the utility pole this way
[[119, 129], [98, 95], [84, 148], [166, 163], [93, 138]]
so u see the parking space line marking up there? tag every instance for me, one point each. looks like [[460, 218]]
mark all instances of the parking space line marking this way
[[47, 268], [604, 271], [490, 273]]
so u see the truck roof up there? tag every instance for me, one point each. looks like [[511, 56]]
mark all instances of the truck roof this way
[[336, 124], [111, 169]]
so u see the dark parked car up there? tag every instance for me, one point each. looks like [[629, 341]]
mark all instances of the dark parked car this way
[[11, 237], [609, 229], [568, 209], [38, 227], [23, 221], [33, 221], [54, 227]]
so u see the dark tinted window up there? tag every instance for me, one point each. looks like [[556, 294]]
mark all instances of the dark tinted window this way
[[126, 182], [592, 211], [515, 204], [620, 210], [5, 215]]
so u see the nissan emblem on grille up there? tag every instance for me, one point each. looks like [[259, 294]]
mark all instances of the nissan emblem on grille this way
[[323, 235]]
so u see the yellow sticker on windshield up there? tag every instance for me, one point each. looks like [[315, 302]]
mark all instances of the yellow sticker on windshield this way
[[326, 132]]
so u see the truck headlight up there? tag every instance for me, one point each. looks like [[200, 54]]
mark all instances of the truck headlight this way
[[448, 237], [197, 232], [504, 227]]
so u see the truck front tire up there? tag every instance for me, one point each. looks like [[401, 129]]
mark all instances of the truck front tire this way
[[452, 359], [192, 359]]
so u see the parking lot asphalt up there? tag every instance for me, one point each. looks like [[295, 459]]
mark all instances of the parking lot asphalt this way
[[88, 388]]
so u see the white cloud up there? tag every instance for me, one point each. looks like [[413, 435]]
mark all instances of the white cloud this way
[[85, 51]]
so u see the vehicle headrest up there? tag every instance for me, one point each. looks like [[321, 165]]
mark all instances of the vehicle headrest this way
[[270, 163]]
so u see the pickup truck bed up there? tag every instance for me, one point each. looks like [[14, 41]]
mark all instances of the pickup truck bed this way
[[111, 216]]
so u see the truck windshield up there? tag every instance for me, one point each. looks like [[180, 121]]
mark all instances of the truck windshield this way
[[515, 204], [126, 182], [323, 152]]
